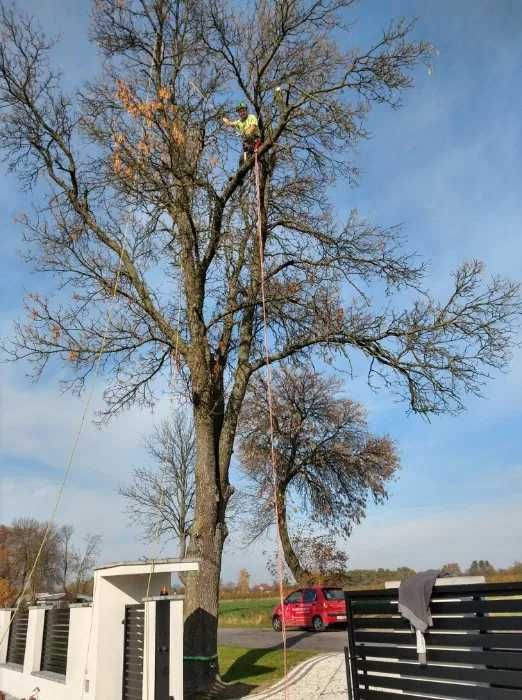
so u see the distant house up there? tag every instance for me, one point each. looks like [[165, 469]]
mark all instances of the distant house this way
[[57, 599], [50, 598]]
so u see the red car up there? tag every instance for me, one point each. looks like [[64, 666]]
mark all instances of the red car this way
[[316, 607]]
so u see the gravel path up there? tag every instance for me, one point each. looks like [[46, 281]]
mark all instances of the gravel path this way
[[322, 677]]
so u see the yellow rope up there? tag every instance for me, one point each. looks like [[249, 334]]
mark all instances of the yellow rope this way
[[72, 452]]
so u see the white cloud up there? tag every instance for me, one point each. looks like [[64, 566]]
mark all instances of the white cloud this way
[[39, 423], [97, 511], [422, 538], [427, 538]]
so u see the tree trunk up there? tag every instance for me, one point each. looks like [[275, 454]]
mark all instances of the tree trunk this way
[[291, 558], [207, 538], [182, 553]]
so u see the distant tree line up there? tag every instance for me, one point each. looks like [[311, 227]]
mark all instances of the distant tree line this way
[[358, 578], [64, 565], [363, 578]]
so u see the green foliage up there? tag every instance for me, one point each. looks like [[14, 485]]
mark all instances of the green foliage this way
[[452, 569], [481, 567], [256, 666], [243, 582], [253, 612], [375, 578]]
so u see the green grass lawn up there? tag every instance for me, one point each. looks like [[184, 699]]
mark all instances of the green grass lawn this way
[[256, 666], [252, 612]]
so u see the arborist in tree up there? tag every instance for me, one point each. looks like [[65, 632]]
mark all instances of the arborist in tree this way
[[248, 128]]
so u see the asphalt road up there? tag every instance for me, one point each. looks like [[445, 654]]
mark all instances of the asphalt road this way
[[254, 638]]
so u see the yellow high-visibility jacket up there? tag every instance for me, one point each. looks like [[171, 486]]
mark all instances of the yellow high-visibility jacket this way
[[248, 128]]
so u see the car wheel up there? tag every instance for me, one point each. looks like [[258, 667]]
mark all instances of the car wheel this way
[[276, 623], [318, 624]]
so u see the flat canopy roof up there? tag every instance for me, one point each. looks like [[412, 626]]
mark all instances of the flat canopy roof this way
[[144, 568]]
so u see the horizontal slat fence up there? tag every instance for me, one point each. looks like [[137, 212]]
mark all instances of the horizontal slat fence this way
[[55, 640], [474, 649], [133, 652], [17, 638]]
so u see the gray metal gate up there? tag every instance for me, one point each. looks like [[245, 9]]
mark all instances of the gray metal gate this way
[[474, 648], [55, 640], [161, 671], [17, 638], [133, 652]]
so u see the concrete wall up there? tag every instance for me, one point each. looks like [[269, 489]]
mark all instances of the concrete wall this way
[[112, 594], [20, 681], [5, 616], [96, 638], [446, 581]]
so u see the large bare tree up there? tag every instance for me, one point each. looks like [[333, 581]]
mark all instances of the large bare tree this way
[[320, 556], [318, 451], [140, 204], [22, 542], [76, 561], [160, 499], [84, 557], [65, 535], [63, 562]]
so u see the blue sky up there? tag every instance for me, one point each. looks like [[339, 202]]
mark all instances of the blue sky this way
[[447, 167]]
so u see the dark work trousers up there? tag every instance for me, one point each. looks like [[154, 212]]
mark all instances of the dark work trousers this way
[[248, 151]]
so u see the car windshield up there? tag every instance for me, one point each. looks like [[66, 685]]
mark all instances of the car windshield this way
[[333, 593]]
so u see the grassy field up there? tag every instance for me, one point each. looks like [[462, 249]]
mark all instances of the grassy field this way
[[256, 666], [253, 612]]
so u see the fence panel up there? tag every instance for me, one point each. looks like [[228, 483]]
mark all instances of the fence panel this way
[[474, 649], [17, 638], [133, 652], [55, 640], [162, 658]]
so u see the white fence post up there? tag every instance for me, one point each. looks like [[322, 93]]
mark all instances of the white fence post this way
[[149, 649], [176, 648], [5, 617], [175, 645], [78, 648], [34, 642]]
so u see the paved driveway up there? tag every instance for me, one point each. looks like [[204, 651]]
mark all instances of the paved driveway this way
[[253, 638]]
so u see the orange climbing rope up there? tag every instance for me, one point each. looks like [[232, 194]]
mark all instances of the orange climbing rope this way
[[270, 408], [173, 367]]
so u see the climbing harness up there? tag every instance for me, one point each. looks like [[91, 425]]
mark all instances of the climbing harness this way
[[250, 148], [270, 406]]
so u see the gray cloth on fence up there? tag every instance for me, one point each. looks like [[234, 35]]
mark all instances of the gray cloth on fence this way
[[414, 604]]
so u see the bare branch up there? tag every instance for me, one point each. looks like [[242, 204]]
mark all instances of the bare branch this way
[[160, 500]]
